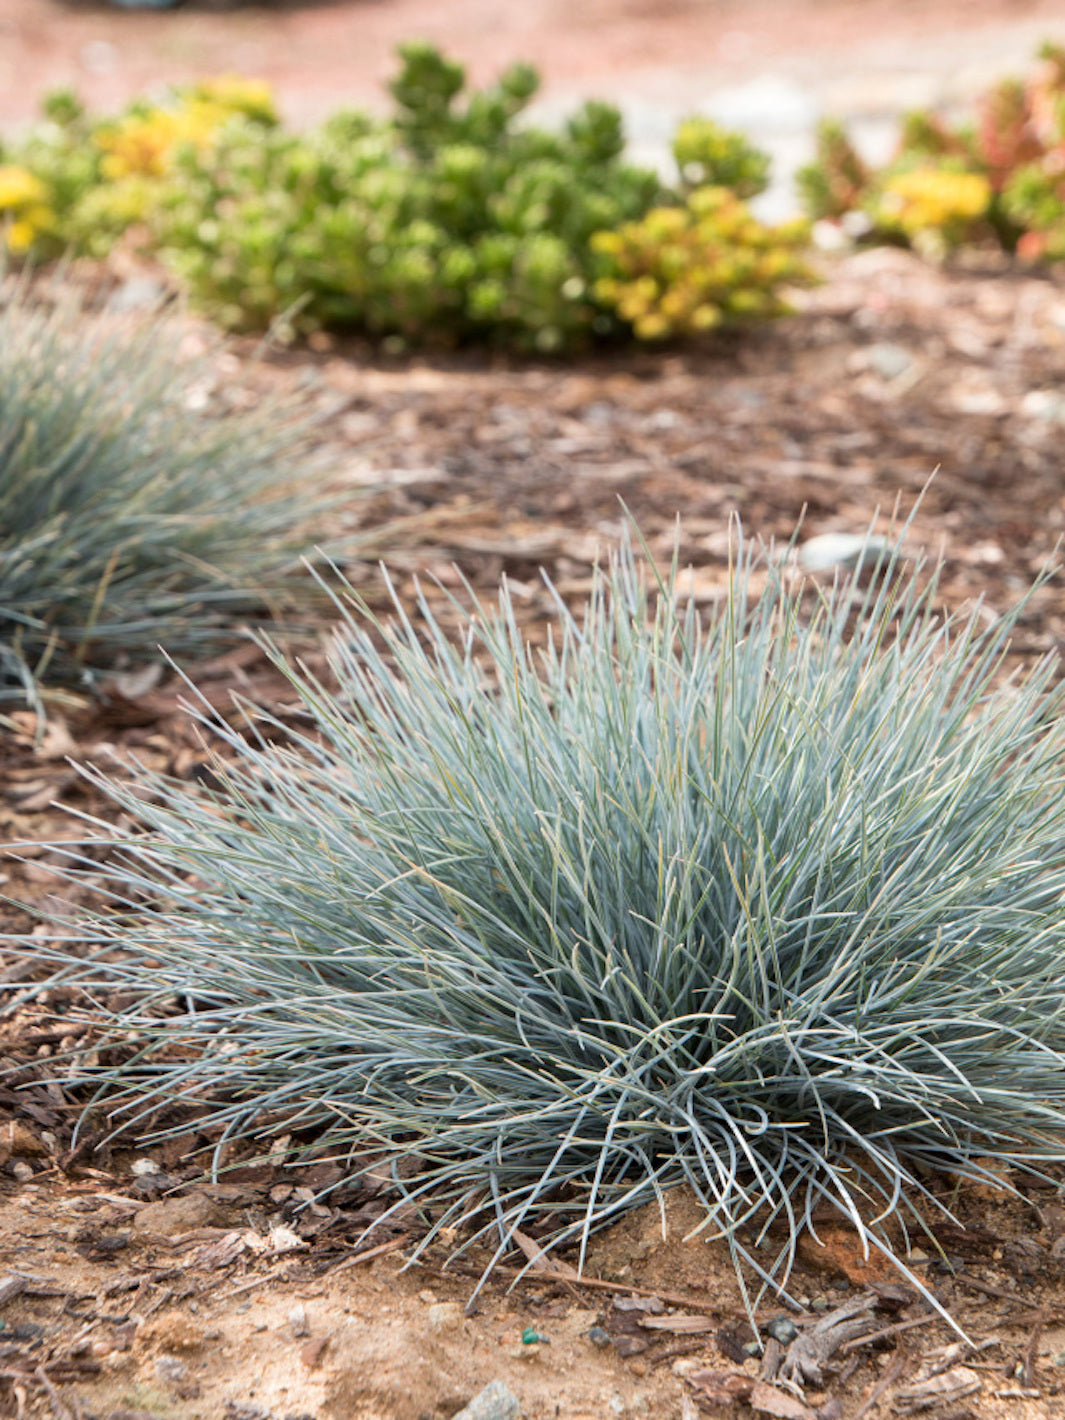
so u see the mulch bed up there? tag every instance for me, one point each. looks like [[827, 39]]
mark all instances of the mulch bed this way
[[460, 468]]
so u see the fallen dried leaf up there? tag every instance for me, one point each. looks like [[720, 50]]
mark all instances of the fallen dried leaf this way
[[539, 1260]]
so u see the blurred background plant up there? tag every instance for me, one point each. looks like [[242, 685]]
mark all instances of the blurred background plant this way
[[1000, 180], [452, 220], [103, 176], [132, 515]]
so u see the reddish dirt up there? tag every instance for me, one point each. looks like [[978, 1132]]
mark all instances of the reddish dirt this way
[[325, 54]]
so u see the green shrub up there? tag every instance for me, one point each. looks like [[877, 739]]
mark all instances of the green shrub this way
[[452, 220], [102, 176], [998, 181], [836, 181], [127, 519], [683, 271], [708, 155], [770, 908]]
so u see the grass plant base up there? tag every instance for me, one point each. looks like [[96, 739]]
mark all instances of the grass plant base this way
[[134, 512], [770, 907]]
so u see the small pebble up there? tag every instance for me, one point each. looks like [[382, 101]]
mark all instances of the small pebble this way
[[888, 360], [170, 1369], [598, 1337], [686, 1366], [524, 1352], [495, 1402], [1044, 404], [830, 236], [783, 1329]]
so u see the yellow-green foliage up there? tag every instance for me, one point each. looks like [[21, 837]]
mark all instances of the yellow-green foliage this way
[[106, 175], [448, 221], [708, 155], [1000, 180], [685, 270], [836, 181]]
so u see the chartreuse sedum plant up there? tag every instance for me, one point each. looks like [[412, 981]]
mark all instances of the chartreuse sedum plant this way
[[685, 270], [130, 515], [769, 907]]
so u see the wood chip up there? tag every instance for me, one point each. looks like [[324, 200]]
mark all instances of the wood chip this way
[[311, 1352], [721, 1387], [13, 1285], [771, 1401], [679, 1325], [933, 1390], [816, 1345]]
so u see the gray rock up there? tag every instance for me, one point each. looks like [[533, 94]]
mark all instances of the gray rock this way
[[173, 1216], [495, 1402], [170, 1369], [445, 1316]]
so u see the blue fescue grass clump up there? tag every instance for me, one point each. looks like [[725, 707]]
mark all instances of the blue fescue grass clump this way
[[771, 907], [128, 517]]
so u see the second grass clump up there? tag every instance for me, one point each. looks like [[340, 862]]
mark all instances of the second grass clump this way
[[770, 907], [136, 507]]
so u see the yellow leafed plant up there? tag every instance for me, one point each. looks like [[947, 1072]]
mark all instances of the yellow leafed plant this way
[[685, 270]]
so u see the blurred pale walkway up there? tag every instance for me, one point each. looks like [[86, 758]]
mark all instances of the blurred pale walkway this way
[[770, 67]]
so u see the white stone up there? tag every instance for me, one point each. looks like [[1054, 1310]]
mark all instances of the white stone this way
[[843, 550]]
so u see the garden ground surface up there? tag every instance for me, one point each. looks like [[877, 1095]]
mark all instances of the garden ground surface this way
[[129, 1290], [199, 1306]]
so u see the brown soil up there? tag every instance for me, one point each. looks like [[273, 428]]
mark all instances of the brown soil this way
[[201, 1306]]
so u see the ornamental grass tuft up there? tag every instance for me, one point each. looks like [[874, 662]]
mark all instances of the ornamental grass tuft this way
[[770, 907], [130, 514]]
